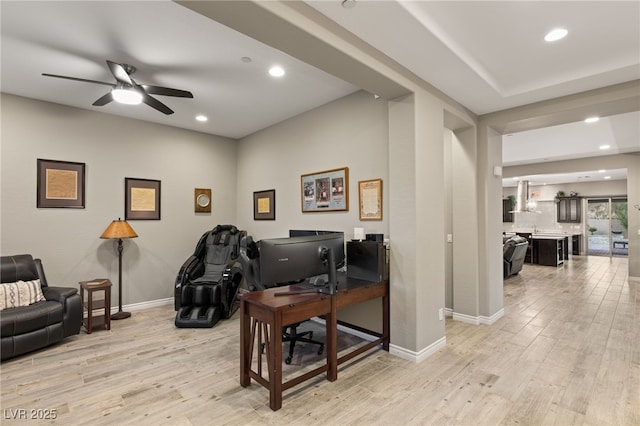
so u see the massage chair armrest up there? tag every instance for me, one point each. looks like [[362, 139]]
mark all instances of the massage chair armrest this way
[[59, 294], [231, 280], [191, 269]]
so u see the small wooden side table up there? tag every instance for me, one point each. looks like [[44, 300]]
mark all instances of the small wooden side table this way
[[89, 305]]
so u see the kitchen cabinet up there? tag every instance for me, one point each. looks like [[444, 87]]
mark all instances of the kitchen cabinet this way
[[575, 245], [549, 251], [507, 216], [569, 209]]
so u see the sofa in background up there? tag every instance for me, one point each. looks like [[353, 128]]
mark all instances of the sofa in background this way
[[514, 251], [38, 324]]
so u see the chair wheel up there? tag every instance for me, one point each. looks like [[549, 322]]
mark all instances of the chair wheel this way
[[287, 360], [320, 350]]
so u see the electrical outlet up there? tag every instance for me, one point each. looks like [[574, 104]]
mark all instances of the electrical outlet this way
[[440, 314]]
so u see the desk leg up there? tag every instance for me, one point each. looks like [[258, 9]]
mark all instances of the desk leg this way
[[274, 346], [245, 345], [331, 323], [90, 312]]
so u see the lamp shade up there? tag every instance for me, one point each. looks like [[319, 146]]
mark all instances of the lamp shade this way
[[119, 229]]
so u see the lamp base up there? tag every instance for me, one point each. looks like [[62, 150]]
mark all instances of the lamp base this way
[[120, 315]]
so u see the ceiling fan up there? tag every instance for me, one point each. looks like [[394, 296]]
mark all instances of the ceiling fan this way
[[126, 90]]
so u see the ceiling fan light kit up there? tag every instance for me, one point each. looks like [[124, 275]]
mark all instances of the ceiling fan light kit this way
[[126, 91], [126, 96]]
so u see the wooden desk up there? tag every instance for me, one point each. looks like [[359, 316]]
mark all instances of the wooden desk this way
[[263, 315]]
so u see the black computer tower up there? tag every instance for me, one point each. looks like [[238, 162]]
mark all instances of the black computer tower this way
[[367, 260]]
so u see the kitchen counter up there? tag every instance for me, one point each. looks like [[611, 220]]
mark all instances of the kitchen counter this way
[[550, 249]]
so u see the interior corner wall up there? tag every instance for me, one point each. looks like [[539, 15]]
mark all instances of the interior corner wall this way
[[491, 300], [466, 284], [448, 219], [112, 148], [417, 221], [349, 132]]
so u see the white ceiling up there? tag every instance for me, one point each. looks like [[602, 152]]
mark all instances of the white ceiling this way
[[486, 55]]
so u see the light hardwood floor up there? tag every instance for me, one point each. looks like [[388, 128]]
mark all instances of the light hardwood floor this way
[[567, 352]]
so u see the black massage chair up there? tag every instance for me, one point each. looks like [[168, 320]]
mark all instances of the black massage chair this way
[[207, 285]]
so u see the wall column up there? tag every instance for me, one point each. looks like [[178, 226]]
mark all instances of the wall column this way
[[416, 225]]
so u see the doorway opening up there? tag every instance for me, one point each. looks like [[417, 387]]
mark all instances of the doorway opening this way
[[607, 226]]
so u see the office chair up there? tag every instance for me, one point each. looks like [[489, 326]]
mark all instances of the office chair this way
[[208, 282], [250, 260]]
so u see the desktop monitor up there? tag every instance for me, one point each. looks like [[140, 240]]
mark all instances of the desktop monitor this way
[[340, 256], [287, 260]]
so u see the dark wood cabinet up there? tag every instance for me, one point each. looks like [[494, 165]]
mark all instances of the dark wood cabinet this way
[[575, 245], [569, 209], [506, 209], [549, 252]]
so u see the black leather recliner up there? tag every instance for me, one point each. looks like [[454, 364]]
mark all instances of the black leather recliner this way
[[27, 328], [514, 252], [208, 282], [250, 260]]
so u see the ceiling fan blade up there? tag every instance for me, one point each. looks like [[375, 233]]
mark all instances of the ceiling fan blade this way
[[154, 103], [119, 73], [166, 91], [79, 79], [103, 100]]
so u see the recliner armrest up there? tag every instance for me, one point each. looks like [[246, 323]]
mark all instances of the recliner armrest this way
[[59, 294]]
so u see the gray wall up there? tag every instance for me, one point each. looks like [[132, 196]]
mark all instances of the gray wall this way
[[112, 148], [352, 132]]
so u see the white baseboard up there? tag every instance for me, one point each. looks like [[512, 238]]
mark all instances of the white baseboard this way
[[144, 305], [344, 329], [398, 351], [479, 319], [493, 318], [466, 318], [419, 356], [634, 279]]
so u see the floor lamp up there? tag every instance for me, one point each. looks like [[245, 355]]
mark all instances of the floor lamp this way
[[119, 229]]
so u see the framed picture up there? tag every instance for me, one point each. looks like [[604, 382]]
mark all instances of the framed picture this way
[[60, 184], [264, 205], [141, 199], [202, 200], [325, 191], [370, 199]]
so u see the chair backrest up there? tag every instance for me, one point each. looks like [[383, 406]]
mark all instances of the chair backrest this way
[[514, 247], [250, 260], [18, 267], [221, 248]]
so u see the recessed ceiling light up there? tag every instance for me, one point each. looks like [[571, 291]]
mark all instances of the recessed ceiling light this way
[[276, 71], [349, 4], [601, 171], [201, 118], [592, 119], [604, 147], [556, 34], [607, 177]]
